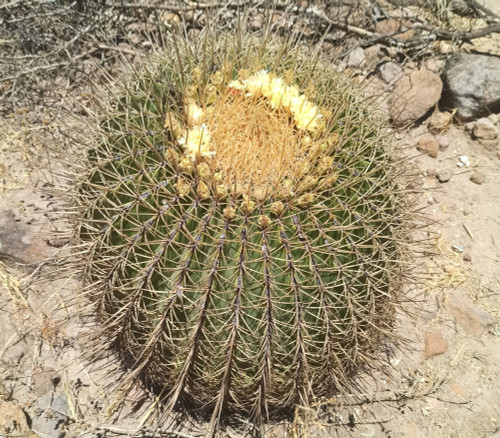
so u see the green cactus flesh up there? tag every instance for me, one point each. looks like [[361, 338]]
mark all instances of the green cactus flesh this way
[[239, 293]]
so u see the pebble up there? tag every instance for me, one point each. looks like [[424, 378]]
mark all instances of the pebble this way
[[469, 126], [443, 142], [19, 241], [431, 171], [391, 26], [44, 380], [435, 344], [484, 129], [444, 175], [449, 269], [493, 118], [428, 146], [390, 72], [373, 56], [439, 122], [473, 319], [478, 177], [13, 421], [54, 414], [445, 48], [467, 257], [356, 57], [463, 160], [434, 65], [456, 388]]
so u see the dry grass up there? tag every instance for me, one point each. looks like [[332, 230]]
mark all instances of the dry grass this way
[[14, 287]]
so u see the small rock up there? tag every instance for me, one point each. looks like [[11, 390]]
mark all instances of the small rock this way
[[431, 171], [469, 126], [390, 72], [478, 177], [449, 269], [44, 380], [443, 142], [444, 175], [445, 48], [372, 56], [473, 319], [472, 85], [13, 422], [463, 161], [439, 122], [391, 26], [414, 96], [18, 241], [434, 65], [484, 129], [356, 57], [428, 146], [467, 257], [435, 344], [493, 118], [456, 388], [54, 414]]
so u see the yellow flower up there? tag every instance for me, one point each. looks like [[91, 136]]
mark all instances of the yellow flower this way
[[236, 85], [305, 113], [258, 84], [193, 114], [290, 93], [196, 141]]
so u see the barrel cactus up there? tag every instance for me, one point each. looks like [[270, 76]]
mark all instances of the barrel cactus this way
[[245, 221]]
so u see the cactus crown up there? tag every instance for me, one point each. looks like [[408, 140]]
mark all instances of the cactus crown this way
[[244, 218]]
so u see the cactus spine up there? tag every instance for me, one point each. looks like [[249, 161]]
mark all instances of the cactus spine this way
[[243, 214]]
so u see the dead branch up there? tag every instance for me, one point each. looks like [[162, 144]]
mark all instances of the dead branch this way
[[190, 6], [48, 67], [459, 7], [432, 32], [458, 35]]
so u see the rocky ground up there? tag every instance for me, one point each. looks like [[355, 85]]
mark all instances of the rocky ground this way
[[443, 101]]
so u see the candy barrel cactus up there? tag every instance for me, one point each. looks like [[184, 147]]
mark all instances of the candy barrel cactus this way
[[245, 218]]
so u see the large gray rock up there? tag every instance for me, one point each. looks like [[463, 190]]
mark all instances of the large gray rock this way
[[472, 85]]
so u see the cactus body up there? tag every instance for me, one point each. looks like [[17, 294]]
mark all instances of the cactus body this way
[[244, 216]]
